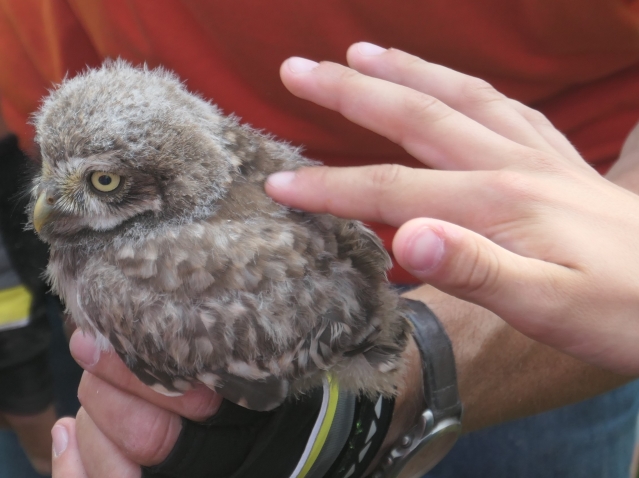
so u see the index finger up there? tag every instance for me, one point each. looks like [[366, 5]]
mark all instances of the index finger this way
[[393, 194], [424, 126]]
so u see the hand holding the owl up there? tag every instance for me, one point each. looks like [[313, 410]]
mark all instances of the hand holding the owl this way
[[122, 423], [510, 217]]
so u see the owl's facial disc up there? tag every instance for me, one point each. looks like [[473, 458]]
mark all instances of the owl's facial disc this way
[[92, 194], [100, 182]]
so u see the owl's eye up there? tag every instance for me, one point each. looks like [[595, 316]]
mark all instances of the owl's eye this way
[[105, 182]]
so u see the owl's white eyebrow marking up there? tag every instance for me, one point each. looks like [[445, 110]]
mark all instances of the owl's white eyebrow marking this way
[[79, 165], [71, 166]]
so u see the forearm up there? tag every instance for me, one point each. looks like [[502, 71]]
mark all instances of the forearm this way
[[409, 403], [504, 375]]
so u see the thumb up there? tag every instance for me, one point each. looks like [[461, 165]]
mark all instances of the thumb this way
[[66, 455], [521, 290]]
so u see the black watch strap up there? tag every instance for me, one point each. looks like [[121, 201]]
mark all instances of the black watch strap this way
[[438, 361], [437, 429]]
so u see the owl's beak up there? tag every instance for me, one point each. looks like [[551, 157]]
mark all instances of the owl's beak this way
[[42, 210]]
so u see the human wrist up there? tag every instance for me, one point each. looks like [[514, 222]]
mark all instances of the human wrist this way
[[409, 402], [425, 439]]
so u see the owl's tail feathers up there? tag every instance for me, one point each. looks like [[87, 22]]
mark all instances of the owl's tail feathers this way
[[377, 364]]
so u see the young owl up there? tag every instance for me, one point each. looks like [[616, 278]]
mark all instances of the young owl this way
[[165, 246]]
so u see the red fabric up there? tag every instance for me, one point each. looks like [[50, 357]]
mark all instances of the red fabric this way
[[578, 62]]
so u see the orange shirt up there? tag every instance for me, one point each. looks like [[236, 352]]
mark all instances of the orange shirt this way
[[578, 62]]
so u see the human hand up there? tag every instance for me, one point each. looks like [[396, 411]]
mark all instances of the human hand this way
[[520, 224], [122, 423]]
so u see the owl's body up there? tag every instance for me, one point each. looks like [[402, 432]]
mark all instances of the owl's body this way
[[187, 268]]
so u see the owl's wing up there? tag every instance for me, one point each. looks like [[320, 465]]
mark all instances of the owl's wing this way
[[262, 394], [217, 303], [365, 248], [242, 305]]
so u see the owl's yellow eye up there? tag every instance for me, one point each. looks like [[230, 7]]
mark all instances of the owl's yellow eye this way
[[105, 182]]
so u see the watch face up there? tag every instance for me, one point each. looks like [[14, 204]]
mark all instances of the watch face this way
[[431, 450]]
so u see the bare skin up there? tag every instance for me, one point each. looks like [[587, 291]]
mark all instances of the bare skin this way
[[525, 193]]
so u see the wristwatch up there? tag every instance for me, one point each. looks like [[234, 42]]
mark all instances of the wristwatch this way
[[437, 429]]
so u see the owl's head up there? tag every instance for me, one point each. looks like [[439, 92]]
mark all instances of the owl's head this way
[[125, 147]]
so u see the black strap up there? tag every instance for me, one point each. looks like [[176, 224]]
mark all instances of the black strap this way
[[438, 361]]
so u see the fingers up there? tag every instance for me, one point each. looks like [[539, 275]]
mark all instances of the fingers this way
[[144, 432], [101, 457], [197, 404], [66, 455], [471, 96], [427, 128], [551, 134], [395, 194], [464, 264]]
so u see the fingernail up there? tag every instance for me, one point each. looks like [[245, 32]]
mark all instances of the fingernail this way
[[84, 350], [301, 65], [426, 251], [60, 438], [368, 49], [281, 179]]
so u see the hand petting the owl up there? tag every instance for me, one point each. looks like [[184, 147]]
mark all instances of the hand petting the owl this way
[[510, 217]]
